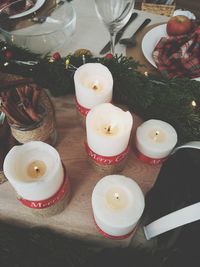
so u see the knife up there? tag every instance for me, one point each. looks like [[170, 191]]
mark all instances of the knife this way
[[130, 42], [119, 34]]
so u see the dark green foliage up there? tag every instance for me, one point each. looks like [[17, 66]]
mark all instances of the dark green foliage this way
[[150, 96]]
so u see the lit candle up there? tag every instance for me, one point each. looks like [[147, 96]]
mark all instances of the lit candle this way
[[93, 86], [35, 170], [155, 140], [108, 129], [117, 203]]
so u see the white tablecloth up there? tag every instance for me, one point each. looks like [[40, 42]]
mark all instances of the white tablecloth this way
[[92, 34]]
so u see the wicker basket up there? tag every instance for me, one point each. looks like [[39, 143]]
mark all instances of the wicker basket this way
[[165, 10]]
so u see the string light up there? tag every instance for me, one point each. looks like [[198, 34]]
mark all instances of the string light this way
[[83, 58], [194, 104]]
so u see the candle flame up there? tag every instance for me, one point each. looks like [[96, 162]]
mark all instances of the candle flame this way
[[194, 104], [95, 85], [36, 169], [109, 130], [116, 195], [156, 135]]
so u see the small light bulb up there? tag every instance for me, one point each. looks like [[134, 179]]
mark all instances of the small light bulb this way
[[194, 104]]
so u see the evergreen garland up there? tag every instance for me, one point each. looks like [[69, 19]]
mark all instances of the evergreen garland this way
[[176, 101]]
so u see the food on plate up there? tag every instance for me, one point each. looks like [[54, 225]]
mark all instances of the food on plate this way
[[178, 25], [17, 7]]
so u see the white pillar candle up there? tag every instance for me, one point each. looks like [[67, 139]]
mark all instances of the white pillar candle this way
[[108, 129], [117, 203], [93, 85], [34, 169], [155, 139]]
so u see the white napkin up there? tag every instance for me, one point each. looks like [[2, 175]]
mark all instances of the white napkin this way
[[186, 13]]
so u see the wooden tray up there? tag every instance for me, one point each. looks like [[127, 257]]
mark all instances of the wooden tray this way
[[76, 221]]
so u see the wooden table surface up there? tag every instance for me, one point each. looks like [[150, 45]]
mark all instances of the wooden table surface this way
[[76, 220]]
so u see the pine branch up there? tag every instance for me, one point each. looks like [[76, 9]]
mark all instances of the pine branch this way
[[151, 96]]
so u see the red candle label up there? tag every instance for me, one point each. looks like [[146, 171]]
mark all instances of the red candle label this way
[[120, 237], [149, 160], [106, 160], [84, 111], [41, 204]]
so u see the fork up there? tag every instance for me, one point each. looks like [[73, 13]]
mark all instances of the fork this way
[[130, 42]]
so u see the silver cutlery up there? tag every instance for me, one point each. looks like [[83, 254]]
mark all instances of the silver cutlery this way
[[106, 48], [42, 19], [130, 42], [2, 118]]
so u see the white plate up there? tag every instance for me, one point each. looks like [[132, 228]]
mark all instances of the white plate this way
[[151, 39], [37, 5]]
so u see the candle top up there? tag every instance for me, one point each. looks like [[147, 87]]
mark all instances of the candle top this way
[[109, 121], [156, 133], [117, 200], [94, 77], [93, 85], [31, 162]]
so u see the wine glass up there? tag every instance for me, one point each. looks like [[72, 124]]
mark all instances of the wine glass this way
[[114, 14]]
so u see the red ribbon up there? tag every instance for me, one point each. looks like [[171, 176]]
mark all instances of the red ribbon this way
[[119, 237], [84, 111], [106, 160], [41, 204], [149, 160]]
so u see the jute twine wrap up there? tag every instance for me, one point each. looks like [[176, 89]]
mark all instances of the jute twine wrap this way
[[43, 131], [57, 208], [108, 169]]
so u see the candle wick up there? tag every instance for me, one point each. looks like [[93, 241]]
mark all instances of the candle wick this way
[[157, 132], [94, 87], [36, 169], [109, 129], [116, 195]]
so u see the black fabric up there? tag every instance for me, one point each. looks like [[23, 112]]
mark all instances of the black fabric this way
[[177, 186]]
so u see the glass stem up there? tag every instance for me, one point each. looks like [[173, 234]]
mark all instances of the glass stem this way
[[112, 43]]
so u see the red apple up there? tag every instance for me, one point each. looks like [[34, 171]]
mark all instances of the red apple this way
[[178, 25]]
